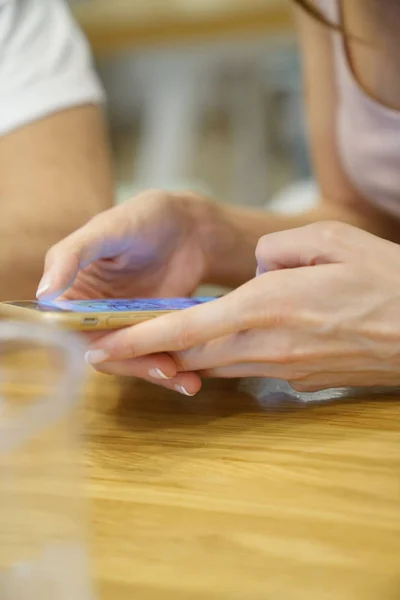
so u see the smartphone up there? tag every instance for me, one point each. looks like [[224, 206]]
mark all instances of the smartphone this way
[[98, 314]]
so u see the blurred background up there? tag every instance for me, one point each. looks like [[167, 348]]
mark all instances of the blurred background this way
[[204, 95]]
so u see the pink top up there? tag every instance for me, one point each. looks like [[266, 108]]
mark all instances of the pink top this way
[[368, 133]]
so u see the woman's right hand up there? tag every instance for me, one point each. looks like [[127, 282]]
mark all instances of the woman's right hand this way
[[150, 246], [154, 245]]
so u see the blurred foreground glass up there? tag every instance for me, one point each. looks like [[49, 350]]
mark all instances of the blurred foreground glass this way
[[42, 512]]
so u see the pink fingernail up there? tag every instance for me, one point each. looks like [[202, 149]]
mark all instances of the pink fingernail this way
[[158, 374], [93, 357], [182, 390], [44, 285]]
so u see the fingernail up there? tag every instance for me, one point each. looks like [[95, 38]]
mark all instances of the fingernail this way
[[158, 374], [44, 285], [93, 357], [183, 390]]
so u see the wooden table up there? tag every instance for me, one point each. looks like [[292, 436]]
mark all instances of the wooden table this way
[[222, 497], [122, 24]]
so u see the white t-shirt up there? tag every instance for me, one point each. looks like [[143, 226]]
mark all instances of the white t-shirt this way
[[45, 63]]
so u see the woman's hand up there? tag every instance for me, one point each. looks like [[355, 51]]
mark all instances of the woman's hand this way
[[323, 312], [152, 246], [156, 245]]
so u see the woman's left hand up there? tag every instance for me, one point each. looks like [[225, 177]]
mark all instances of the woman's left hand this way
[[323, 312]]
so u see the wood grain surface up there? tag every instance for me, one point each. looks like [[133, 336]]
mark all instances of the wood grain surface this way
[[225, 497], [123, 24]]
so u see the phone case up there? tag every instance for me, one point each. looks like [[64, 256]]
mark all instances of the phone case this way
[[77, 321]]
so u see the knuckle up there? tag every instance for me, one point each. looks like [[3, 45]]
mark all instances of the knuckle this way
[[158, 195], [331, 231], [281, 314], [152, 199], [182, 335], [127, 350], [99, 220], [256, 309], [96, 222], [154, 195], [186, 194]]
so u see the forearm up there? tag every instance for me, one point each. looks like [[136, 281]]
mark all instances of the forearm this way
[[236, 231], [54, 176]]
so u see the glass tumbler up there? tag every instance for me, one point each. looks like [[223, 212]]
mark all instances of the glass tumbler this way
[[42, 510]]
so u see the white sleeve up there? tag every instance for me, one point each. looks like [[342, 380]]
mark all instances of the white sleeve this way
[[45, 63]]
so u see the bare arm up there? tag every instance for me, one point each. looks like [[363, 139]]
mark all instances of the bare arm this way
[[54, 164], [54, 176], [234, 240]]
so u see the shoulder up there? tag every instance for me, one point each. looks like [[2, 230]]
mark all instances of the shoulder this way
[[45, 62]]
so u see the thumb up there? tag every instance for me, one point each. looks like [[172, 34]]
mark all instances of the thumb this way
[[99, 238]]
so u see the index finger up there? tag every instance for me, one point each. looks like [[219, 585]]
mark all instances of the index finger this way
[[102, 237], [237, 311]]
